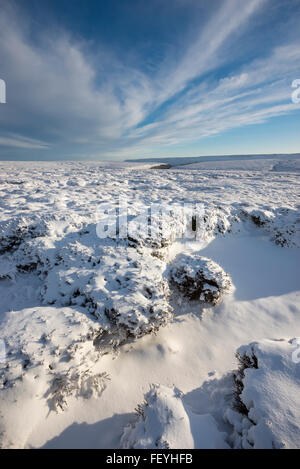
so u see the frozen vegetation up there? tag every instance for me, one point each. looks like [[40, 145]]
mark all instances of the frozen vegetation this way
[[267, 399], [92, 314], [264, 411]]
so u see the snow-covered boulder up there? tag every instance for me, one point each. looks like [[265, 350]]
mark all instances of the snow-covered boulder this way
[[164, 421], [119, 284], [47, 357], [7, 268], [199, 278], [282, 225], [13, 232], [267, 405]]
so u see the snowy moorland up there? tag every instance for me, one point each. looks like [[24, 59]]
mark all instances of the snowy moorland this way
[[176, 328]]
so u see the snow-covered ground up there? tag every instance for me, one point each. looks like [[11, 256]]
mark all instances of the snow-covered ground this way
[[269, 164], [231, 163], [93, 328]]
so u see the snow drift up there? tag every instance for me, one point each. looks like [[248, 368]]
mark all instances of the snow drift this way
[[267, 396], [163, 422], [71, 301]]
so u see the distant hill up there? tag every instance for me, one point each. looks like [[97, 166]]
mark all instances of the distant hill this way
[[182, 160]]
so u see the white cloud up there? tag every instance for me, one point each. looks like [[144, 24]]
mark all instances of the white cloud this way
[[21, 142], [59, 93]]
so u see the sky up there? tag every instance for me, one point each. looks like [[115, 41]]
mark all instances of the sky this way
[[121, 79]]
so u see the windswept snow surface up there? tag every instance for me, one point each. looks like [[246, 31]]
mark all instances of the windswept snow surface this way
[[164, 422], [268, 383], [290, 162], [271, 164], [87, 324], [264, 413]]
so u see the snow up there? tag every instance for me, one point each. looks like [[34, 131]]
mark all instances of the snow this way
[[89, 323], [255, 164], [268, 387], [163, 422], [199, 278], [277, 162], [271, 395]]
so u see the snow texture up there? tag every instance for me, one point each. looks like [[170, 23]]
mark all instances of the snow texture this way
[[199, 278], [79, 314], [268, 396], [163, 422]]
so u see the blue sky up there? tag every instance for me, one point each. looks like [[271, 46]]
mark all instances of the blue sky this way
[[118, 79]]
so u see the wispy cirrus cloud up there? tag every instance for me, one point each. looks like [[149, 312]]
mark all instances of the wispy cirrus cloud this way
[[16, 141], [63, 95], [260, 91]]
